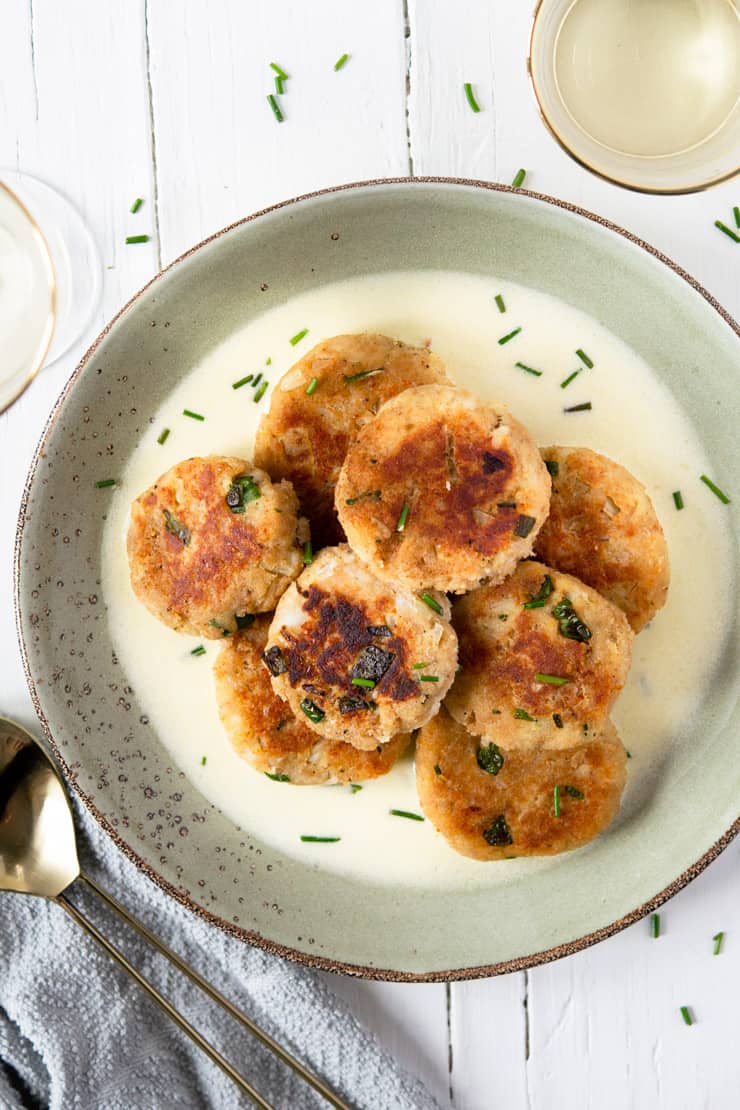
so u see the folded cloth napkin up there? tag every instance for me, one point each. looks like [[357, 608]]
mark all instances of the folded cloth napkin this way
[[78, 1034]]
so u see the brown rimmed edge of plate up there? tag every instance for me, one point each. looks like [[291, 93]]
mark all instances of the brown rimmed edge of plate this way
[[324, 963]]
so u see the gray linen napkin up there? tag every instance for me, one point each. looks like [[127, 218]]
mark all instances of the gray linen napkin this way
[[77, 1034]]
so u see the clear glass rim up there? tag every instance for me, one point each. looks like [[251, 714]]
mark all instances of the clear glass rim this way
[[623, 182], [44, 247]]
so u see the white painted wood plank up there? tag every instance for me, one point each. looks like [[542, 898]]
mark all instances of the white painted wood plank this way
[[489, 1031], [220, 152]]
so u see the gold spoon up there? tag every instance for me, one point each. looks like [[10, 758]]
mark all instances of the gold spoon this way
[[38, 855]]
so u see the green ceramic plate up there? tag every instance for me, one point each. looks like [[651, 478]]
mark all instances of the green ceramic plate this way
[[91, 715]]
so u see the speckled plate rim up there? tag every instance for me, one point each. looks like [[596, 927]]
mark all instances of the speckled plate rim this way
[[251, 937]]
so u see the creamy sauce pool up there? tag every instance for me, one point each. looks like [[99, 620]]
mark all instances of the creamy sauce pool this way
[[634, 420]]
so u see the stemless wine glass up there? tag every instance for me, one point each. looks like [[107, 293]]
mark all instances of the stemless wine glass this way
[[50, 279], [645, 93]]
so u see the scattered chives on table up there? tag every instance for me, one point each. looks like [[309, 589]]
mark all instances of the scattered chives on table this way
[[279, 87], [500, 303], [203, 761], [717, 938], [519, 179], [105, 483], [470, 97], [257, 380], [405, 813], [506, 338], [571, 377], [655, 926], [279, 70], [584, 358], [320, 839], [715, 490], [242, 381], [145, 239], [727, 231], [686, 1015], [299, 335], [678, 498], [311, 387], [259, 394], [529, 369], [585, 406], [199, 650], [276, 111], [192, 415], [136, 205], [736, 214], [162, 437], [340, 62]]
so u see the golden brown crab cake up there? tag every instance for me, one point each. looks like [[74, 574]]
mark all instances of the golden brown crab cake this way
[[490, 803], [441, 490], [603, 529], [357, 659], [542, 659], [264, 732], [211, 540], [318, 407]]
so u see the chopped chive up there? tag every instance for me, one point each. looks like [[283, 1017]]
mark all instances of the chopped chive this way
[[506, 338], [432, 603], [403, 517], [277, 778], [311, 387], [500, 303], [678, 499], [524, 525], [584, 358], [498, 833], [340, 62], [320, 839], [105, 483], [506, 504], [242, 381], [570, 624], [279, 87], [312, 711], [571, 377], [470, 97], [522, 715], [268, 362], [307, 553], [145, 239], [139, 201], [728, 231], [405, 813], [299, 335], [419, 666], [556, 802], [585, 406], [275, 108], [161, 438], [686, 1015], [260, 392], [428, 678], [199, 650], [655, 926], [368, 495], [558, 720], [355, 787], [551, 679], [718, 937], [529, 369], [244, 620], [362, 374], [437, 769], [280, 72], [257, 380], [553, 467], [519, 179], [203, 761], [192, 415], [715, 489], [736, 214], [367, 683], [541, 596], [574, 792]]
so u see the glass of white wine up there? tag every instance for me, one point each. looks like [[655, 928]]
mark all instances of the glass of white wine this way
[[50, 279], [645, 93]]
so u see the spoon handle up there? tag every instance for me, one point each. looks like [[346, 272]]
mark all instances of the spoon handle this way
[[168, 1008], [269, 1042]]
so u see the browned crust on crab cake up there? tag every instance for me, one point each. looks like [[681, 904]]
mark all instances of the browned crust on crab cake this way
[[603, 529], [196, 563], [511, 813], [304, 437], [503, 646], [264, 732], [338, 623], [442, 490]]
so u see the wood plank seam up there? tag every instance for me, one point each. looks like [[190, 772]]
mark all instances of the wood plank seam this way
[[152, 136]]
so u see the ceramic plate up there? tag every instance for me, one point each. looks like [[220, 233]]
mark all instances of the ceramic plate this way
[[101, 734]]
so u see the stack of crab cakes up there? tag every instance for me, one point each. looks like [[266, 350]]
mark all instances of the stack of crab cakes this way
[[485, 600]]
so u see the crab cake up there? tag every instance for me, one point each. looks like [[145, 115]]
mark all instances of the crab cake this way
[[306, 433], [441, 490], [493, 804], [211, 540], [603, 529], [263, 731], [355, 658], [542, 657]]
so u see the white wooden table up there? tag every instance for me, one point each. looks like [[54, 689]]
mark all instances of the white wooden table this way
[[114, 99]]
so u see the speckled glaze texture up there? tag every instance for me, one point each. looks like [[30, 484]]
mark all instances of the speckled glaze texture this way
[[100, 733]]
